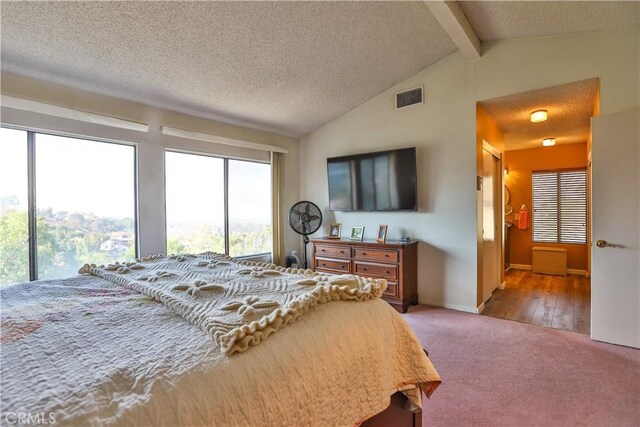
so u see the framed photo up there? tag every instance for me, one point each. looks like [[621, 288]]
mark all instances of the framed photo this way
[[357, 232], [382, 233], [334, 231]]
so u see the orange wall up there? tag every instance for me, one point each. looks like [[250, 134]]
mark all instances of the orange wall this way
[[520, 164]]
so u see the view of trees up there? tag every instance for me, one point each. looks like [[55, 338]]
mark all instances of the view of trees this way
[[68, 241], [65, 243], [244, 239]]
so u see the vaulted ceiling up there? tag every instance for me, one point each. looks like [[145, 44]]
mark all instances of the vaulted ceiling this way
[[288, 67]]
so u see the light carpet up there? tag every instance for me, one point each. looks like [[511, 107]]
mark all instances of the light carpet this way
[[503, 373]]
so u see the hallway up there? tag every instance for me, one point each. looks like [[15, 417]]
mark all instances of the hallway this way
[[553, 301]]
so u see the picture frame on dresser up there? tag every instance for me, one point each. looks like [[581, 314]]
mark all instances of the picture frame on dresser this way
[[357, 233], [382, 233], [335, 231]]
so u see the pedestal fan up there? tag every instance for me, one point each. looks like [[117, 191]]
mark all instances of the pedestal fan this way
[[305, 218]]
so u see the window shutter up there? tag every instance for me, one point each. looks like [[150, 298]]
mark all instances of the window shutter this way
[[573, 207], [545, 207], [560, 206]]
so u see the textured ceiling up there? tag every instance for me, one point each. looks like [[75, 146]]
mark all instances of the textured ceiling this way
[[494, 20], [285, 67], [570, 107]]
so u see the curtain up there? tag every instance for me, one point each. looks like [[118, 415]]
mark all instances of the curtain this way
[[277, 194]]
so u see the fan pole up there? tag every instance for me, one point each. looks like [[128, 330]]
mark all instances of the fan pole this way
[[305, 239]]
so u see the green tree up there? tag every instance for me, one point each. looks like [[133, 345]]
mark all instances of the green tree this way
[[14, 247]]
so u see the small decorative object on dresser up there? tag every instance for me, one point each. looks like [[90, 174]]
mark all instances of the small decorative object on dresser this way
[[357, 232], [334, 231], [395, 261], [382, 234]]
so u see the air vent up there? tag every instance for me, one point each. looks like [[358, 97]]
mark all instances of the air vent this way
[[409, 97]]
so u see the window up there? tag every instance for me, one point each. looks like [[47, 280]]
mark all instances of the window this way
[[560, 206], [216, 204], [14, 224], [194, 203], [82, 200], [249, 208]]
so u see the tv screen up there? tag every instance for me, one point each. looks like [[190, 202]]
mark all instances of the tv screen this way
[[382, 181]]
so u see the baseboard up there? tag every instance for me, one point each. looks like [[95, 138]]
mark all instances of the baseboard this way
[[502, 285], [451, 306], [569, 270], [520, 267], [578, 272], [480, 309]]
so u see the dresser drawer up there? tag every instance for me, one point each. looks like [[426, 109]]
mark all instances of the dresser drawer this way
[[332, 265], [392, 290], [376, 270], [382, 255], [333, 251]]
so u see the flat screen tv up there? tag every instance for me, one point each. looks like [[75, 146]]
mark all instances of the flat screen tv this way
[[381, 181]]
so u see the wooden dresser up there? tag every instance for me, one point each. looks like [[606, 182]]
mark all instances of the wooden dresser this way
[[395, 261]]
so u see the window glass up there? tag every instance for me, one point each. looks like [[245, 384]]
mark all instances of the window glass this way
[[194, 203], [14, 228], [249, 208], [85, 199]]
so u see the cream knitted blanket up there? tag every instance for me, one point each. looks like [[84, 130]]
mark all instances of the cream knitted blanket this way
[[238, 303]]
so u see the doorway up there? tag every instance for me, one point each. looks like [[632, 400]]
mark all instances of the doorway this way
[[544, 169]]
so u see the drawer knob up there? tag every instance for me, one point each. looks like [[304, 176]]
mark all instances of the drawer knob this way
[[387, 271], [364, 253]]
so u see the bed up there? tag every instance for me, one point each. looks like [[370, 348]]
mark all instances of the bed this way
[[207, 340]]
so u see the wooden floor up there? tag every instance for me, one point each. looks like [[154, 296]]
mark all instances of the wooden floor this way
[[553, 301]]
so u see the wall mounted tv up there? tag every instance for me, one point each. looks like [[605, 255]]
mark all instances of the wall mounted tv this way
[[381, 181]]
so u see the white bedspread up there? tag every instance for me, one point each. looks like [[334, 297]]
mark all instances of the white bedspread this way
[[84, 351]]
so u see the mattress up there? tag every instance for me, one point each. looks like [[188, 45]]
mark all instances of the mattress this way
[[86, 351]]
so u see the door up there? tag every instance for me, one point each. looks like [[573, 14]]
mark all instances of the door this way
[[615, 279], [491, 223]]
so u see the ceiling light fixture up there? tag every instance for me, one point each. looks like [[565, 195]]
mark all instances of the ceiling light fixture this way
[[539, 116], [548, 142]]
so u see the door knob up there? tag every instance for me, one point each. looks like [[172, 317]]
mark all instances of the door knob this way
[[604, 244]]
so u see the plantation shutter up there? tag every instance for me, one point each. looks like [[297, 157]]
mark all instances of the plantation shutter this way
[[560, 206]]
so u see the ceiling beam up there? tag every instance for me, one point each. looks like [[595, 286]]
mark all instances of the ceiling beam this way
[[452, 20]]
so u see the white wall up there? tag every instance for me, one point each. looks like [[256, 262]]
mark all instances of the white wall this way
[[514, 66], [443, 129], [150, 145]]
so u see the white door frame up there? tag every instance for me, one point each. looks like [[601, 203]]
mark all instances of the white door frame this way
[[499, 223]]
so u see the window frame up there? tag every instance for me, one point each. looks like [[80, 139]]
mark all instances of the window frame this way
[[225, 160], [558, 172], [32, 203]]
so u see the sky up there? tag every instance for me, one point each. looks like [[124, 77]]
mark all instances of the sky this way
[[195, 189], [77, 175], [72, 175]]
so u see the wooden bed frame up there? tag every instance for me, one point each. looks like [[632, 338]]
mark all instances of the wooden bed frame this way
[[397, 414]]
